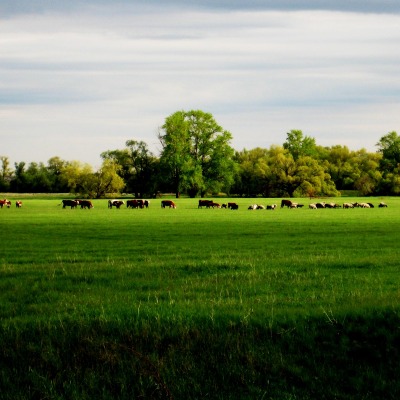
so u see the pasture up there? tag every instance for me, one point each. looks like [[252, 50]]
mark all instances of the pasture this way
[[199, 303]]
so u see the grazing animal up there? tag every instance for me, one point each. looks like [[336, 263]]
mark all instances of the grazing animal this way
[[312, 206], [167, 203], [205, 203], [371, 205], [364, 205], [224, 206], [115, 203], [271, 207], [382, 204], [132, 204], [294, 205], [214, 205], [6, 203], [18, 204], [234, 206], [86, 204], [320, 205], [260, 207], [70, 203], [348, 205], [286, 203], [252, 207]]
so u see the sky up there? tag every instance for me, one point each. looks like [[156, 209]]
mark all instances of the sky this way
[[78, 78]]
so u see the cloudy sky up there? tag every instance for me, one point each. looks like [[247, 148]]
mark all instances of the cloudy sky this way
[[81, 77]]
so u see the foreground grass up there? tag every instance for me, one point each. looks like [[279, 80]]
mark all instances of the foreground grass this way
[[192, 303]]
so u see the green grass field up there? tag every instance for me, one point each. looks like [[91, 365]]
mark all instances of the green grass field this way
[[192, 303]]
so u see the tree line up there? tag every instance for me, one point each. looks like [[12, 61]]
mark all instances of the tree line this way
[[197, 159]]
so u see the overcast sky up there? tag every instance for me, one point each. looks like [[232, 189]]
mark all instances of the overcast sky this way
[[81, 77]]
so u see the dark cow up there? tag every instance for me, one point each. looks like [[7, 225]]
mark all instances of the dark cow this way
[[132, 204], [382, 204], [287, 203], [86, 204], [320, 205], [370, 205], [70, 203], [115, 203], [18, 204], [167, 203], [271, 207], [6, 203], [205, 203], [234, 206]]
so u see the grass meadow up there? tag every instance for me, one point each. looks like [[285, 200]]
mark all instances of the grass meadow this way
[[192, 303]]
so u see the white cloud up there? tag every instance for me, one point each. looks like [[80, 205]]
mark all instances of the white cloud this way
[[76, 84]]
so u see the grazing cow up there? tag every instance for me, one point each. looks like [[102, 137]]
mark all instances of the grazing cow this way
[[70, 203], [371, 205], [348, 205], [252, 207], [312, 206], [286, 203], [224, 206], [167, 203], [234, 206], [332, 205], [115, 203], [18, 204], [271, 207], [260, 207], [86, 204], [205, 203], [132, 204], [6, 203], [293, 205], [382, 204], [320, 205], [214, 205], [364, 205]]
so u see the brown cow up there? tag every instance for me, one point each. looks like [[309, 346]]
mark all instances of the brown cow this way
[[205, 203], [167, 203], [6, 203], [287, 203], [86, 204], [132, 203], [18, 204]]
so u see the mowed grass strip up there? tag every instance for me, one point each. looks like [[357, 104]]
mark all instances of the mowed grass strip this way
[[201, 301]]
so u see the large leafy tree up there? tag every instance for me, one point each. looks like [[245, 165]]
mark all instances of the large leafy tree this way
[[299, 145], [196, 154], [254, 173], [5, 174], [83, 181], [137, 167], [389, 148], [302, 176]]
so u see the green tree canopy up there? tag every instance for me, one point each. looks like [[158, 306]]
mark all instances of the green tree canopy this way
[[196, 155], [299, 145]]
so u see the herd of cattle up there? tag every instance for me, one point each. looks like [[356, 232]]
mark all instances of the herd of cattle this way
[[314, 206], [138, 203]]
